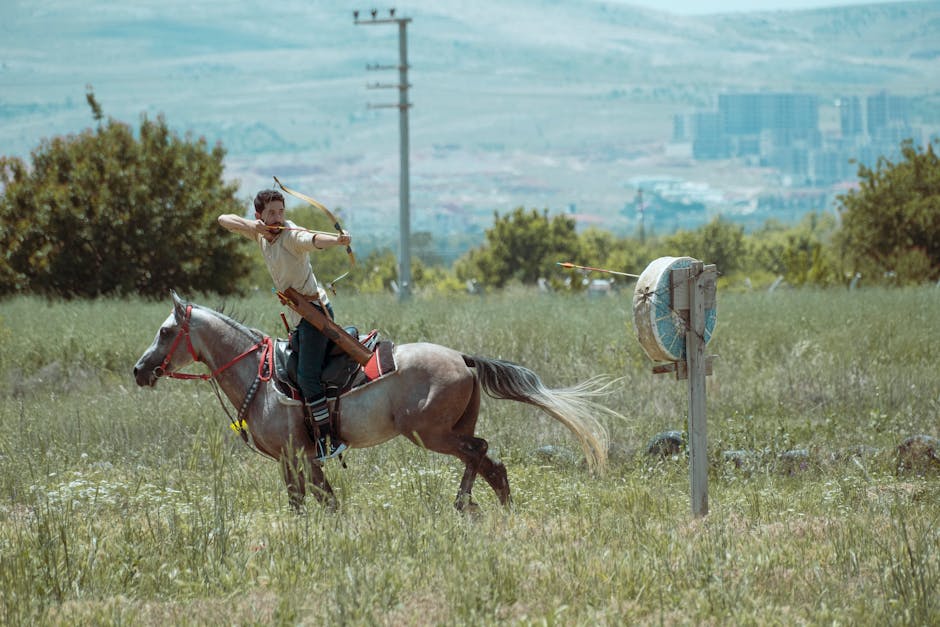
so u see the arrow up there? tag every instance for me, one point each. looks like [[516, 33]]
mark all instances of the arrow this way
[[567, 264]]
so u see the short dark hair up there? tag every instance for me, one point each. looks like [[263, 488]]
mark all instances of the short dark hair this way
[[264, 197]]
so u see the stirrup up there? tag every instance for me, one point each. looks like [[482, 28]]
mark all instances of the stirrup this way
[[317, 421], [337, 450]]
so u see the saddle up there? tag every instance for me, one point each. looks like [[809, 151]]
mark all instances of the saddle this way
[[341, 373]]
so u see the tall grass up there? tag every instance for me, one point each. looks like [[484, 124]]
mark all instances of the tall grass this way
[[122, 505]]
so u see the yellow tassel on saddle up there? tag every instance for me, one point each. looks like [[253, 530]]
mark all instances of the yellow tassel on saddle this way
[[238, 427]]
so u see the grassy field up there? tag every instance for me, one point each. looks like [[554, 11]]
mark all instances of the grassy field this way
[[127, 506]]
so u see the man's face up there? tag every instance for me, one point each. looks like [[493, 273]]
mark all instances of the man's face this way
[[273, 214]]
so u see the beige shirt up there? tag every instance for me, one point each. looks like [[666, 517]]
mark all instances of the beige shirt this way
[[288, 261]]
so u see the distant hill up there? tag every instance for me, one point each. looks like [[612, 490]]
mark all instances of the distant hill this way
[[529, 102]]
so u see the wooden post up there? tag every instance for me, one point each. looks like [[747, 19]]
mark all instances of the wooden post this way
[[701, 293], [674, 307]]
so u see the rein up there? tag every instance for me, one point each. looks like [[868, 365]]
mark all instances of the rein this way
[[265, 372]]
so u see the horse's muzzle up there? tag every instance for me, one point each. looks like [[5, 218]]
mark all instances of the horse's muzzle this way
[[147, 378]]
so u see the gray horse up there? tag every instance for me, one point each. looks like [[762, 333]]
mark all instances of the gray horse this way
[[432, 398]]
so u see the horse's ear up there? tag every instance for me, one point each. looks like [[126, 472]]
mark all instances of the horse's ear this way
[[179, 307]]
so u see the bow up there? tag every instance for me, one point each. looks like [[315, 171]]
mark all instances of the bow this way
[[329, 214]]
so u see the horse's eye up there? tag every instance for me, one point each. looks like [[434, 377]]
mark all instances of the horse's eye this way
[[164, 332]]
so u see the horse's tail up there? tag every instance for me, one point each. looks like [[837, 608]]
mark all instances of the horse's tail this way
[[572, 406]]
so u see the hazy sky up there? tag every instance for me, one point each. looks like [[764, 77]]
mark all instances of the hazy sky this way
[[691, 7]]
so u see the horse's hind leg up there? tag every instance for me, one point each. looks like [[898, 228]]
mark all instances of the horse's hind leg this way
[[493, 472], [459, 440], [495, 475], [467, 448], [473, 451], [480, 463]]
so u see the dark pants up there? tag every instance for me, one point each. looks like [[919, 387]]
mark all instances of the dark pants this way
[[312, 345]]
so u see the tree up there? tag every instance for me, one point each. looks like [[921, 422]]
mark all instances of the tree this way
[[891, 223], [802, 254], [103, 212], [521, 246], [423, 248], [719, 242], [377, 271]]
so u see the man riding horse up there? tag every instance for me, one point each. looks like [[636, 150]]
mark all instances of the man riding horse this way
[[286, 251]]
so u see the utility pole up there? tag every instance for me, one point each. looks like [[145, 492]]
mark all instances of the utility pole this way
[[404, 210], [641, 210]]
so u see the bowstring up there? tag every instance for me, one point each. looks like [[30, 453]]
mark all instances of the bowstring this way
[[315, 232]]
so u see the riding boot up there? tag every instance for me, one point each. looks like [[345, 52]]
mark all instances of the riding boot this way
[[328, 444]]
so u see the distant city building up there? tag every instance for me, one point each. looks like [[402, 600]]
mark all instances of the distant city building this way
[[850, 116], [828, 166], [679, 125], [791, 161], [709, 141], [781, 130], [884, 111], [788, 117], [773, 129]]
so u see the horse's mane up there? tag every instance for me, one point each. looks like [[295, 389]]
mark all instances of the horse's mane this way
[[236, 323]]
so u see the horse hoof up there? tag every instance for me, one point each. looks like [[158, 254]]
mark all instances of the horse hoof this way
[[470, 509], [465, 505]]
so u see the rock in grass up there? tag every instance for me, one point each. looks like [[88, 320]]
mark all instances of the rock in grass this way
[[559, 454], [740, 458], [794, 461], [666, 444], [919, 454], [618, 451], [860, 451]]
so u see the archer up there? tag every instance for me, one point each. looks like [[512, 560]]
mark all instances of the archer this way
[[286, 249]]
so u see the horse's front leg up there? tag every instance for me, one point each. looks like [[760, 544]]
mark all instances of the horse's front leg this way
[[322, 489], [297, 470], [293, 473]]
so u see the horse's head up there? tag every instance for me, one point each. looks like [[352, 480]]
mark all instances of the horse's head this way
[[171, 349]]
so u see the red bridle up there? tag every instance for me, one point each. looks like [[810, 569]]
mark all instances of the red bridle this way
[[265, 364]]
